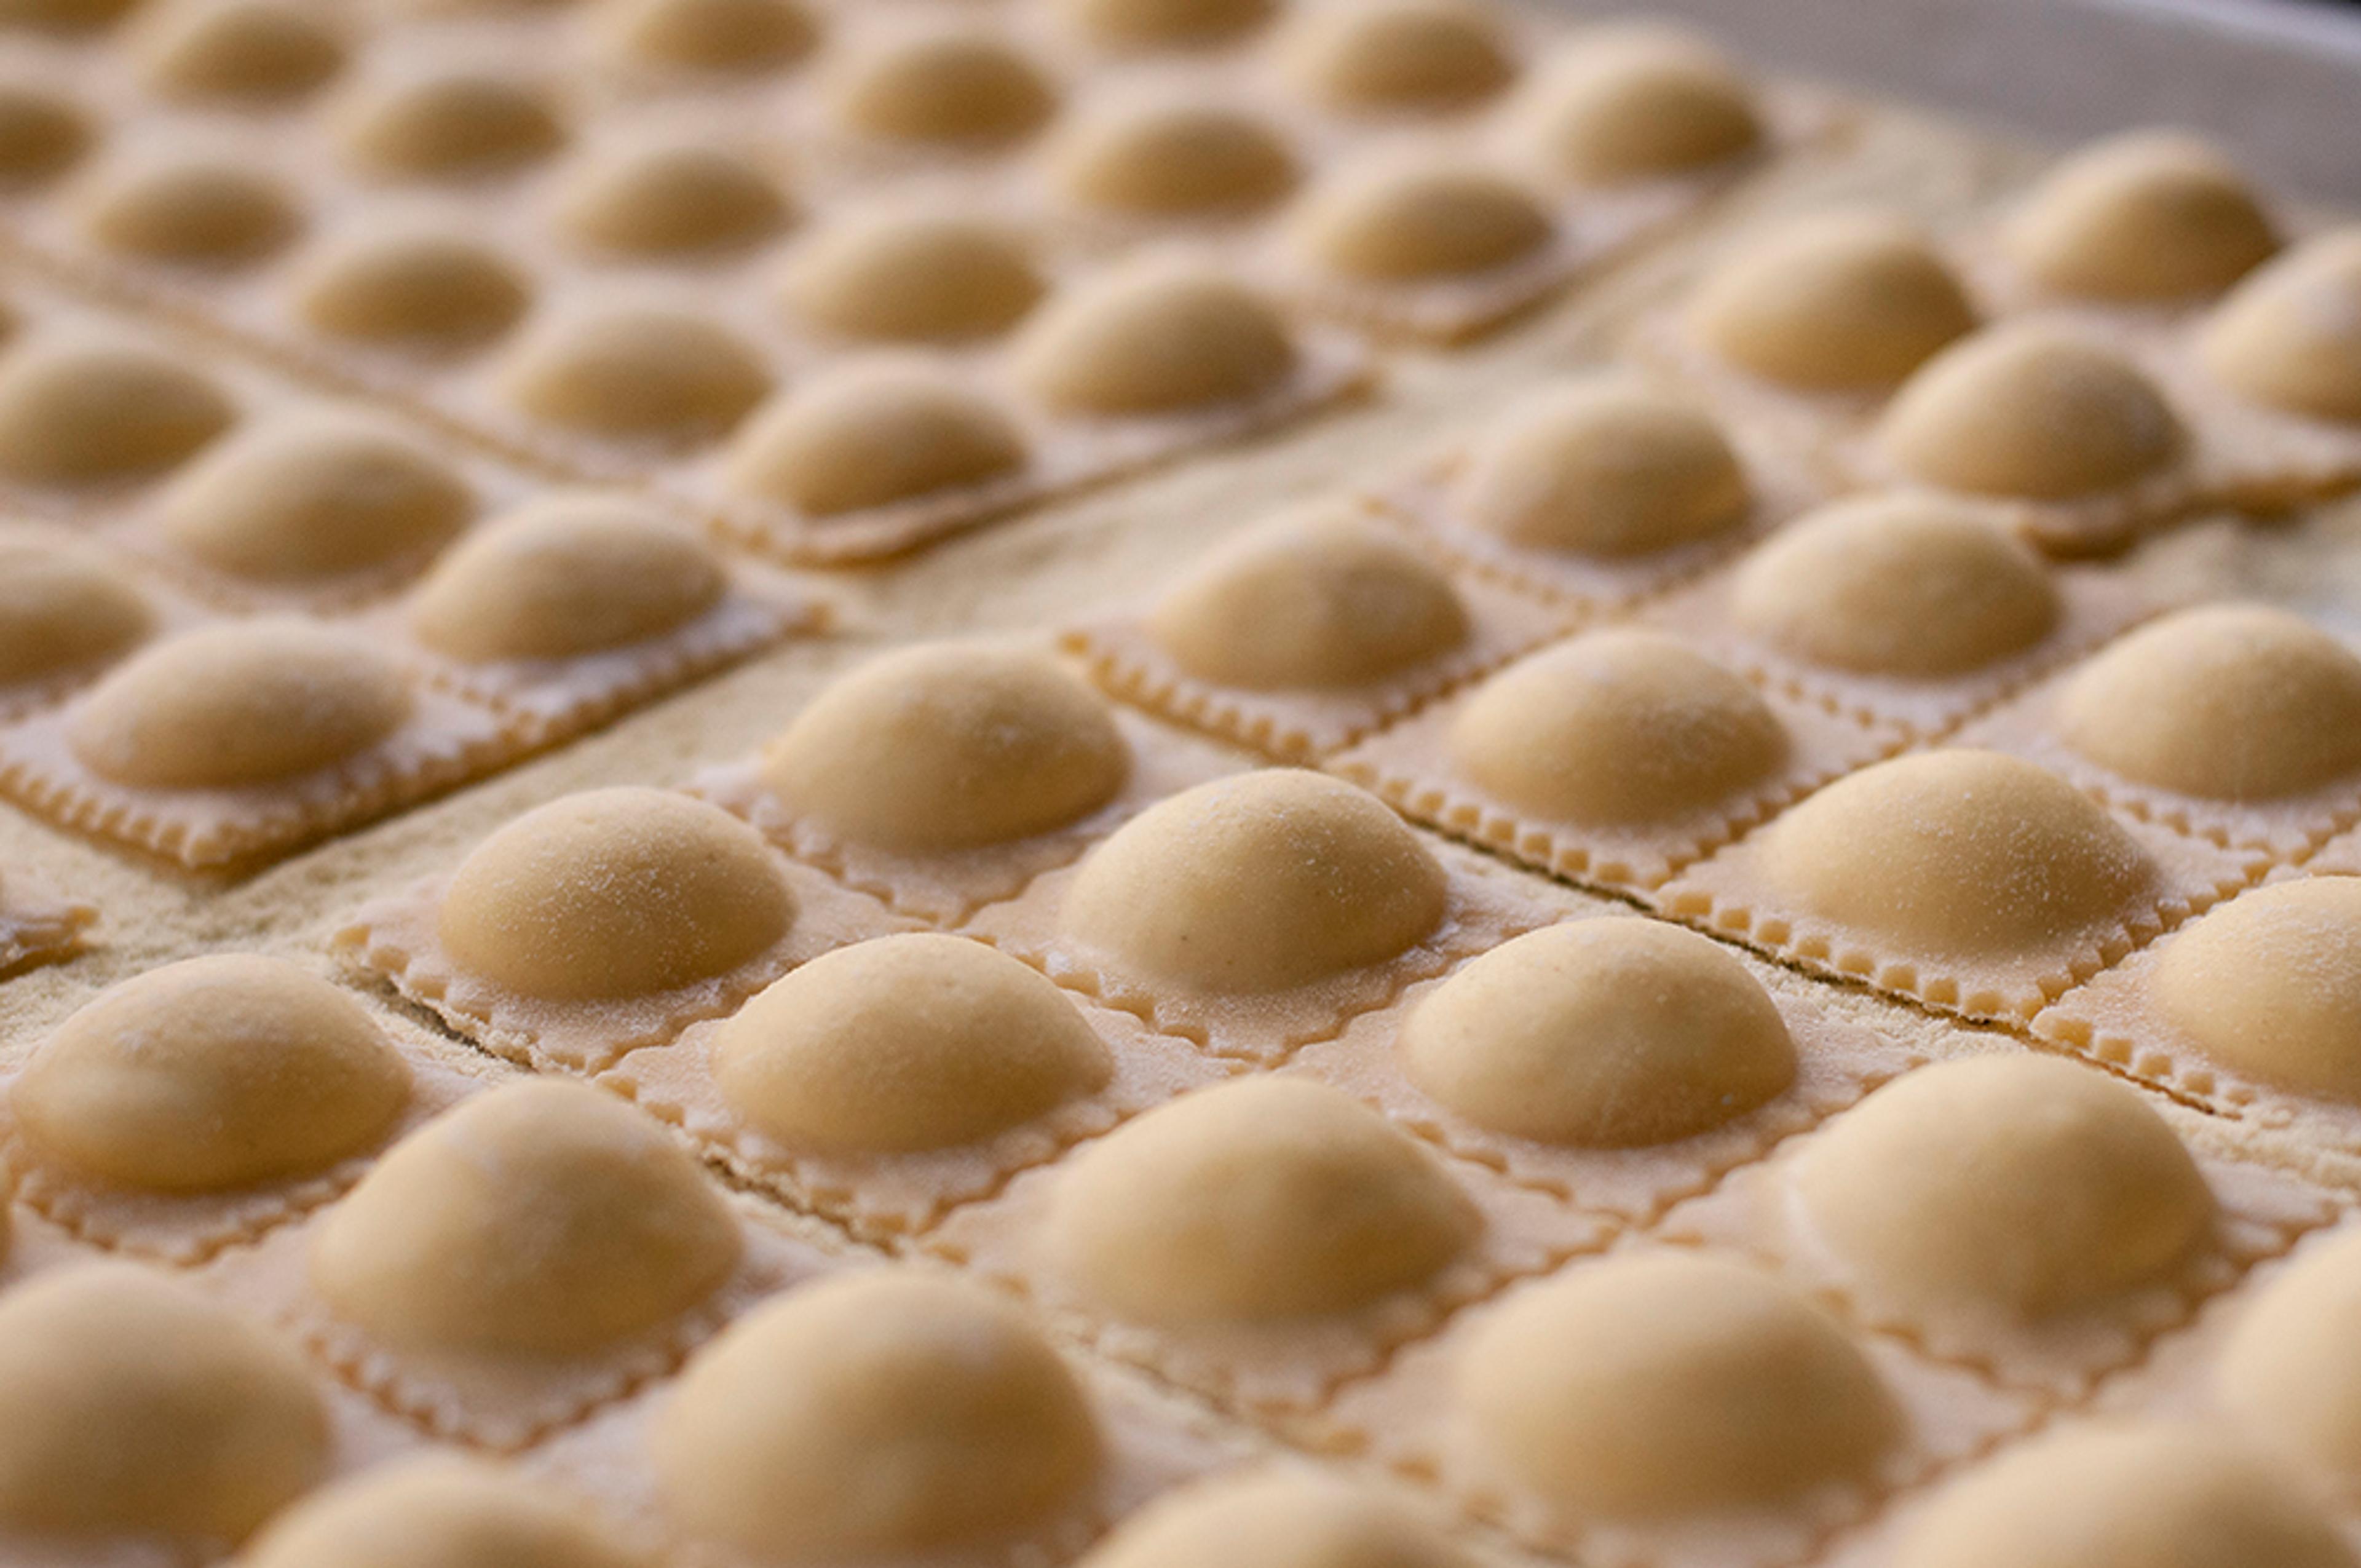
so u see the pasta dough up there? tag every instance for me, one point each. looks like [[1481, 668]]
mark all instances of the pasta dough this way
[[2269, 984]]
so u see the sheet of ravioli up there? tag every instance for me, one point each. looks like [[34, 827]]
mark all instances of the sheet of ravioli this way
[[1134, 784]]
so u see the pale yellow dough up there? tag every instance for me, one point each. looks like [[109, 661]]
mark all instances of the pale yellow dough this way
[[1964, 854], [876, 1413], [2292, 1370], [2145, 216], [1154, 338], [562, 577], [2270, 984], [1264, 1198], [1606, 468], [199, 210], [1275, 1519], [915, 273], [649, 372], [239, 704], [544, 1218], [419, 289], [1165, 24], [614, 892], [947, 746], [1619, 728], [1839, 302], [1172, 160], [437, 1511], [950, 84], [1906, 585], [41, 136], [2028, 1185], [1603, 1033], [1327, 603], [133, 1405], [1409, 219], [313, 496], [84, 412], [459, 124], [2228, 702], [209, 1075], [62, 607], [238, 50], [738, 36], [1257, 883], [871, 436], [2290, 336], [2029, 412], [1667, 1384], [1641, 102], [2154, 1495], [910, 1042], [664, 197], [1373, 55]]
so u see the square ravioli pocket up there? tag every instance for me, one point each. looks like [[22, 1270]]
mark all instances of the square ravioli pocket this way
[[574, 609], [2250, 1010], [1905, 608], [75, 610], [2024, 1216], [601, 922], [1261, 1241], [886, 1083], [1618, 1063], [495, 1311], [1261, 911], [237, 741], [211, 1152], [1617, 757], [944, 777], [1570, 1410], [1975, 882], [1306, 634], [1596, 493], [2236, 724]]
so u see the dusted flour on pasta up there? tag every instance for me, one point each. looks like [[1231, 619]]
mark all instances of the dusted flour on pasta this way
[[2269, 984]]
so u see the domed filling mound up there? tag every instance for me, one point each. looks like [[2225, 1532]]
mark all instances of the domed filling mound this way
[[1173, 159], [950, 85], [639, 373], [1293, 1517], [2150, 215], [441, 1510], [2289, 337], [1154, 338], [914, 274], [2270, 984], [871, 436], [1412, 220], [1380, 56], [1641, 102]]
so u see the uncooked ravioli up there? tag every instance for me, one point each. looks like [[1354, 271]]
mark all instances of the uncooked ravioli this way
[[1275, 1517], [543, 1219], [1165, 24], [2145, 215], [41, 135], [737, 37], [957, 85], [2030, 411], [134, 1405], [883, 1412], [416, 288], [1415, 219], [1610, 469], [1259, 883], [1603, 1034], [873, 435], [1616, 728], [1265, 1198], [1839, 302], [314, 496], [2016, 1184], [1178, 158], [210, 1075], [1904, 586], [562, 577], [255, 51], [2289, 337], [638, 372], [2269, 984], [198, 211], [1380, 56], [914, 274], [947, 747], [2125, 1495], [64, 607], [2226, 702], [1329, 603], [1960, 854], [664, 197], [1666, 1384], [2290, 1369], [911, 1042], [614, 892], [1640, 102], [459, 124], [438, 1510], [87, 411], [239, 704], [1154, 338]]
